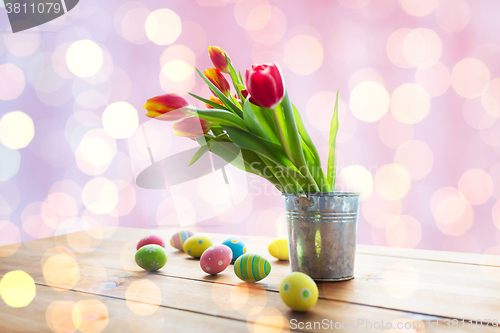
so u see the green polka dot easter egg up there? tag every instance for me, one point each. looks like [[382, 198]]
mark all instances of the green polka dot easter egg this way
[[196, 245], [251, 267], [151, 257]]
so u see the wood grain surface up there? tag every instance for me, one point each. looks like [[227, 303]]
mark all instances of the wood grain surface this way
[[89, 282]]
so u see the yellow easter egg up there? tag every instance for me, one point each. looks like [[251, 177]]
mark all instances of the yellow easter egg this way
[[196, 245], [279, 248], [299, 291]]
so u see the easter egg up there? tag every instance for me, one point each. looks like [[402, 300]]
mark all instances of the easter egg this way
[[298, 291], [151, 257], [196, 245], [279, 248], [151, 239], [216, 259], [179, 238], [251, 267], [236, 245]]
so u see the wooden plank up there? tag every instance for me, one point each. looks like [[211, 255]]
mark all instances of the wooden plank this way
[[54, 311], [180, 268], [246, 303], [439, 288]]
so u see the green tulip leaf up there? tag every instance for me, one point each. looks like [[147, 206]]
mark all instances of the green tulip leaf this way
[[209, 102], [219, 116], [332, 156]]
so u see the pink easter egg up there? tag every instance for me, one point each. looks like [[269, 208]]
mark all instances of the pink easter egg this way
[[151, 239], [215, 259]]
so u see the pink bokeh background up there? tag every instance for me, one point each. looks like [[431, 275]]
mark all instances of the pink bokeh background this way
[[419, 112]]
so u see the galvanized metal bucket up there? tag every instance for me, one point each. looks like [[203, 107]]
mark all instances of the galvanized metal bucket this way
[[322, 229]]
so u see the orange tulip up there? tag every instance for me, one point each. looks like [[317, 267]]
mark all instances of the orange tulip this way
[[218, 57], [166, 107], [191, 127], [215, 100], [216, 77]]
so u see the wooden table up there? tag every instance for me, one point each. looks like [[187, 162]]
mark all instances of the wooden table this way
[[88, 281]]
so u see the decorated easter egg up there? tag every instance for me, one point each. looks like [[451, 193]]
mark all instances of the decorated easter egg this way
[[251, 267], [279, 248], [215, 259], [298, 291], [236, 245], [151, 239], [151, 257], [179, 238], [196, 245]]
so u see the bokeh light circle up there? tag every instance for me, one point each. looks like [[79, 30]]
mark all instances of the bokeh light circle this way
[[120, 120], [401, 280], [416, 157], [421, 46], [418, 8], [143, 297], [61, 271], [163, 26], [100, 195], [9, 163], [403, 231], [392, 181], [476, 185], [356, 178], [453, 15], [84, 58], [491, 98], [392, 132], [435, 78], [410, 103], [303, 54], [12, 82], [495, 214], [16, 130], [452, 213], [11, 238], [17, 289], [369, 101], [470, 77]]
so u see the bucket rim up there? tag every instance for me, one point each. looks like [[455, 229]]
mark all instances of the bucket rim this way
[[322, 194]]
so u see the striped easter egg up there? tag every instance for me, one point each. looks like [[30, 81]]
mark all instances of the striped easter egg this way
[[251, 267], [179, 238]]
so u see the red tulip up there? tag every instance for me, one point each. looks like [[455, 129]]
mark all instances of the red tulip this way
[[166, 107], [216, 77], [244, 93], [265, 84], [218, 57], [191, 127], [215, 100]]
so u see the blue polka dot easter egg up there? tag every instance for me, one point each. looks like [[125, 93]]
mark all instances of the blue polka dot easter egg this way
[[251, 267], [237, 246]]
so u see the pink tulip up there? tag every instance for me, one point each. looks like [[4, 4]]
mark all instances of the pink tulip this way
[[191, 127], [265, 85], [166, 107]]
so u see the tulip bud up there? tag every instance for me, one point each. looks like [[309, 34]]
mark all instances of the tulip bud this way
[[215, 100], [216, 77], [218, 57], [265, 85], [191, 127], [166, 107]]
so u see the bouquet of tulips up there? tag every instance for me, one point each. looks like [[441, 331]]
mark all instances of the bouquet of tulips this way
[[257, 129]]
